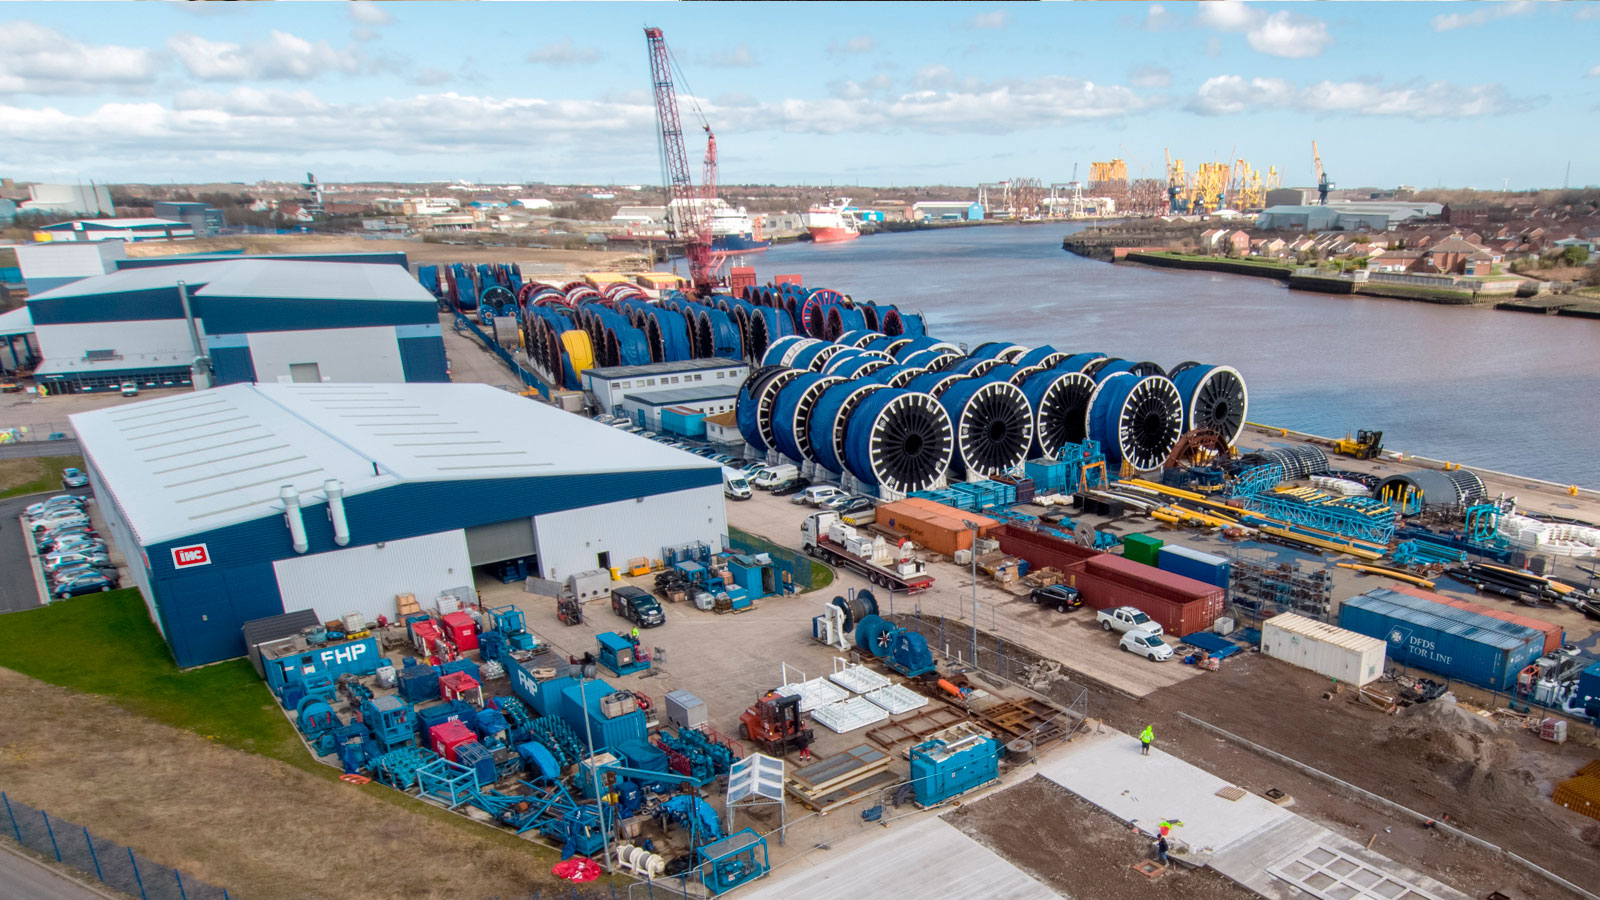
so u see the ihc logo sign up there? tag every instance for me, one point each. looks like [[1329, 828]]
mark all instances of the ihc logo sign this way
[[195, 555]]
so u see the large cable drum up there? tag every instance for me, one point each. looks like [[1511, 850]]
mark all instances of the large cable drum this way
[[781, 351], [910, 323], [625, 345], [497, 300], [1012, 373], [916, 344], [858, 338], [752, 410], [766, 326], [993, 424], [841, 318], [1080, 362], [858, 366], [999, 350], [934, 358], [830, 420], [974, 365], [884, 343], [716, 335], [816, 356], [1213, 397], [935, 383], [848, 355], [1136, 420], [1140, 369], [791, 414], [1296, 460], [668, 334], [900, 440], [1060, 403], [1045, 357], [894, 376]]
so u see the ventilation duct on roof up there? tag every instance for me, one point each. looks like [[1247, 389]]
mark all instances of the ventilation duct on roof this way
[[292, 515], [341, 526]]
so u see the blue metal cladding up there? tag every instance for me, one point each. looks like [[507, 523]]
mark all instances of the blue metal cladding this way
[[1455, 642], [391, 258], [202, 610], [125, 306], [232, 365], [423, 359], [242, 315]]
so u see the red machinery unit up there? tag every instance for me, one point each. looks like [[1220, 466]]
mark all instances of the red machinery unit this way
[[461, 630], [447, 736], [460, 686], [423, 634]]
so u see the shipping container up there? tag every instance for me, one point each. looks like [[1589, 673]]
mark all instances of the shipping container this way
[[1325, 649], [1048, 477], [1553, 634], [608, 734], [935, 526], [1182, 605], [1441, 638], [1141, 548], [1589, 688], [1210, 568], [683, 421]]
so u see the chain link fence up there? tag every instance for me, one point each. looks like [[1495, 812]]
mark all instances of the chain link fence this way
[[793, 567], [109, 862]]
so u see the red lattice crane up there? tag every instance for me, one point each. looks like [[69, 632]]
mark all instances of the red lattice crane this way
[[688, 208]]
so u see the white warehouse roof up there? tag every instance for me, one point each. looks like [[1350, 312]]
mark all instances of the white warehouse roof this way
[[270, 278], [213, 458]]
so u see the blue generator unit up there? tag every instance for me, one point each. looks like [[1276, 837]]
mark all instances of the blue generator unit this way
[[953, 762], [291, 661]]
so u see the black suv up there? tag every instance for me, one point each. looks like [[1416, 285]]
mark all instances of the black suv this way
[[1058, 597], [637, 607]]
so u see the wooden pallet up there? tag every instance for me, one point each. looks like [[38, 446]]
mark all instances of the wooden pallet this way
[[824, 803], [915, 728]]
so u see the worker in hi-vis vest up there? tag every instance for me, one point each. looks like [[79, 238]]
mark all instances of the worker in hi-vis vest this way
[[1146, 736]]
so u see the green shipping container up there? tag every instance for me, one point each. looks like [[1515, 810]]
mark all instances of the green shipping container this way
[[1142, 548]]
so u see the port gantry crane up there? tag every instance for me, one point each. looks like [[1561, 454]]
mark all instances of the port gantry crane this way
[[1323, 184], [688, 209]]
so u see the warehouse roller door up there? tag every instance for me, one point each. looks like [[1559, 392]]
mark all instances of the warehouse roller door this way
[[366, 578], [500, 541]]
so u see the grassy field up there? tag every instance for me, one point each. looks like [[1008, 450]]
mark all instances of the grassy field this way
[[33, 474], [106, 644]]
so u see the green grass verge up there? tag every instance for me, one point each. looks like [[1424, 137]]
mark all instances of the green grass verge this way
[[106, 644], [821, 576], [1240, 261], [1403, 291], [34, 474]]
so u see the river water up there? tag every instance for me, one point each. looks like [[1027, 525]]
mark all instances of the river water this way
[[1509, 391]]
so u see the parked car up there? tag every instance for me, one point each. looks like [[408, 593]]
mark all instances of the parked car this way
[[72, 477], [76, 544], [850, 503], [1058, 597], [84, 584], [1148, 645], [818, 495], [793, 486], [67, 573], [58, 519], [59, 501], [637, 607], [49, 542], [723, 458], [734, 485], [707, 452], [56, 561], [769, 477], [1126, 618], [130, 389]]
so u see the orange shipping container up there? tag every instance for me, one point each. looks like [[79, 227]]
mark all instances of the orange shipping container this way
[[1553, 634], [940, 528]]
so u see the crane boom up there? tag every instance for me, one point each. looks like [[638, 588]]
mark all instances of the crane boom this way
[[688, 215], [1323, 184]]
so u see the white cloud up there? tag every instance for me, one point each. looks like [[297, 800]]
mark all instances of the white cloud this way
[[1594, 72], [859, 44], [1157, 18], [428, 76], [367, 12], [40, 60], [998, 18], [739, 56], [563, 53], [1233, 94], [280, 56], [1481, 14], [1150, 77], [1279, 34]]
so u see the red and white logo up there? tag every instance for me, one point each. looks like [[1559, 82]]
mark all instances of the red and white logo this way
[[195, 555]]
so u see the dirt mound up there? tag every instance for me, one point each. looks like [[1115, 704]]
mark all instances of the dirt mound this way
[[1469, 752]]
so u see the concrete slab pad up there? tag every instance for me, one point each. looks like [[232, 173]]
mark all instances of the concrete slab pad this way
[[928, 858], [1107, 770]]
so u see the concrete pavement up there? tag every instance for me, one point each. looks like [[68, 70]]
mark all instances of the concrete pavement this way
[[22, 876]]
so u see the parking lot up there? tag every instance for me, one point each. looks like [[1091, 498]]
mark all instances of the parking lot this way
[[22, 580]]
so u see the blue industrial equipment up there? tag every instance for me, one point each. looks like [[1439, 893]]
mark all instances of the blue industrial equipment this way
[[830, 419], [1483, 523], [1415, 552], [418, 682], [1214, 397], [1137, 420], [1358, 518], [737, 859], [540, 762], [450, 783], [477, 757], [398, 768], [693, 572], [316, 719], [943, 768], [512, 624], [899, 439], [791, 414], [902, 650], [558, 737], [462, 665], [694, 815], [518, 718], [358, 657], [620, 655], [391, 720], [993, 426], [491, 725], [456, 710], [315, 685]]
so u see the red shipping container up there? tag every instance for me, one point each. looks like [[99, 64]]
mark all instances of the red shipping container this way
[[1103, 590], [423, 634], [740, 278], [1180, 588], [1553, 634], [462, 631], [938, 527], [1040, 549], [447, 736], [786, 279]]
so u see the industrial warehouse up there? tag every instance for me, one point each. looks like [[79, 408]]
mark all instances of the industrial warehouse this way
[[623, 542]]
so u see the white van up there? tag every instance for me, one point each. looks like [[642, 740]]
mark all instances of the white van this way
[[734, 484], [773, 476]]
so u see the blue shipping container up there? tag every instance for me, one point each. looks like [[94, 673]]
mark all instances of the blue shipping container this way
[[682, 420], [1589, 688], [1454, 642], [608, 734], [1210, 568]]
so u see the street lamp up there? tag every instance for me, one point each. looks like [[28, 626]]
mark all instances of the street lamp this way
[[974, 526], [594, 771]]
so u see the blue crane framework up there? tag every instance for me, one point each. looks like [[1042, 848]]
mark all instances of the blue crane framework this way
[[1352, 517]]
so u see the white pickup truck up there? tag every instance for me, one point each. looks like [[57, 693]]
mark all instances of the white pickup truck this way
[[1127, 618]]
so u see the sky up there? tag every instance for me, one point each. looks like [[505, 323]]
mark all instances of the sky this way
[[1424, 94]]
